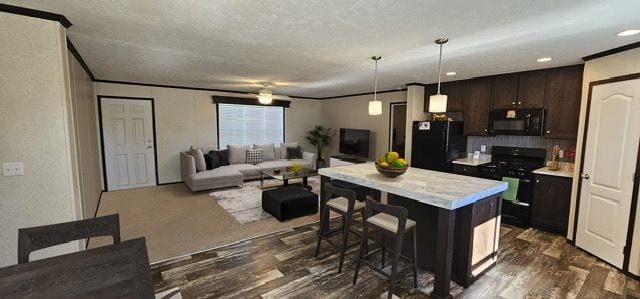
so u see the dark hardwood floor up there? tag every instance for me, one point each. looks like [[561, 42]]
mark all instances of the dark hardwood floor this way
[[531, 264]]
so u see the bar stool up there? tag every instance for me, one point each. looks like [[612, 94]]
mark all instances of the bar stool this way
[[346, 204], [393, 223]]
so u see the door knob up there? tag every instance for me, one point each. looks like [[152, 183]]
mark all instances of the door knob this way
[[513, 103], [548, 132], [585, 176], [149, 146]]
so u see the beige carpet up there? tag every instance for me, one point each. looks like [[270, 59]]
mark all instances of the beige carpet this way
[[177, 222]]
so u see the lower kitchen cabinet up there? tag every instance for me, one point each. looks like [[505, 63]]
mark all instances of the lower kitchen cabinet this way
[[464, 169], [550, 203]]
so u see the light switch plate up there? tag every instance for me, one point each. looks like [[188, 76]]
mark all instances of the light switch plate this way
[[483, 148], [12, 169]]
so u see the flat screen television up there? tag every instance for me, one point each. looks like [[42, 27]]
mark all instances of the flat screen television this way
[[354, 142]]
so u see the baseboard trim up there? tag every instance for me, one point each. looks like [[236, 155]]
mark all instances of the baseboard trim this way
[[170, 183]]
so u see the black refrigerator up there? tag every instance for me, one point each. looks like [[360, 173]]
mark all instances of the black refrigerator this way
[[434, 144]]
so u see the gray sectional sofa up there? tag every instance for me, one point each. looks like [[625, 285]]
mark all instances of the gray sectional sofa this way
[[237, 172]]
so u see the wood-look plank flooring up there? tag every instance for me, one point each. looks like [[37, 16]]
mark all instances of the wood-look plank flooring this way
[[531, 264]]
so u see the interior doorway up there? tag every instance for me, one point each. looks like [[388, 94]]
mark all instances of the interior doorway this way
[[397, 127], [608, 180], [127, 129]]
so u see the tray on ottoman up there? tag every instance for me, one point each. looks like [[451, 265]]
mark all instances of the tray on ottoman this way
[[289, 202]]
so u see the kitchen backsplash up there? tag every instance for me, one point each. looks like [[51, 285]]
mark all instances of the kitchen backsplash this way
[[474, 142]]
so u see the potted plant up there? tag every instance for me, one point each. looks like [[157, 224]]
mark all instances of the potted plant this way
[[320, 137]]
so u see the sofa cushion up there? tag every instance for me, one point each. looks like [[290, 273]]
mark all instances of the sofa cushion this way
[[277, 164], [268, 151], [254, 156], [224, 157], [284, 146], [221, 176], [247, 170], [237, 153], [212, 159], [198, 156], [294, 153]]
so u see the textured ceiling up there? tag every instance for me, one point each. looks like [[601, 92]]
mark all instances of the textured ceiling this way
[[322, 48]]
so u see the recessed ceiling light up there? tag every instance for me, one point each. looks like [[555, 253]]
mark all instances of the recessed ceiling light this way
[[451, 73], [544, 59], [629, 32]]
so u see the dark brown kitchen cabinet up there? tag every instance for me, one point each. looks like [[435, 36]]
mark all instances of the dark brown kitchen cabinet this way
[[504, 94], [465, 169], [550, 203], [476, 105], [453, 90], [562, 102], [531, 87], [518, 90]]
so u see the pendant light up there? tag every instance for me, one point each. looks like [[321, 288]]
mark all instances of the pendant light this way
[[438, 102], [375, 106]]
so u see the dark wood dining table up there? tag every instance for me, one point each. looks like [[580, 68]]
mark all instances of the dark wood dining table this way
[[114, 271]]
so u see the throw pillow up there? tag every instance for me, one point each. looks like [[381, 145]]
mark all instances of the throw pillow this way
[[198, 156], [237, 153], [268, 151], [284, 146], [224, 157], [294, 153], [212, 159], [254, 156]]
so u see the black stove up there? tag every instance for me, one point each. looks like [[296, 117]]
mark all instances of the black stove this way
[[519, 163]]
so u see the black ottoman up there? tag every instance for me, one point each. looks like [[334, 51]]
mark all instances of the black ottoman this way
[[289, 202]]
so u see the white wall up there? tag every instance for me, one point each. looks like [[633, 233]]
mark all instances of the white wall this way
[[352, 112], [187, 117], [594, 70], [34, 129]]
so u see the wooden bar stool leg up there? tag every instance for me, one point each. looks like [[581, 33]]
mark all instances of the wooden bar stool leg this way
[[384, 250], [324, 213], [415, 259], [345, 238], [362, 246]]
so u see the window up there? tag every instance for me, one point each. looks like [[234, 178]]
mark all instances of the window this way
[[249, 124]]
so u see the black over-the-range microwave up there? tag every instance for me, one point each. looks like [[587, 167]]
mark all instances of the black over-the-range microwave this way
[[526, 121]]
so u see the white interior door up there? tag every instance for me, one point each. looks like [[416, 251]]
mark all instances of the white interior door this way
[[127, 127], [611, 150]]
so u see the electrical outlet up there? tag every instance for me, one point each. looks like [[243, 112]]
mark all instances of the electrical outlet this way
[[560, 154], [12, 169], [483, 148]]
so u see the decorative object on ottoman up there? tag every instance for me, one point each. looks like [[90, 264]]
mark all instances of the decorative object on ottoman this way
[[289, 202], [391, 165]]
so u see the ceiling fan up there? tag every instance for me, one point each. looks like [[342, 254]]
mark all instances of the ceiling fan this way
[[266, 96]]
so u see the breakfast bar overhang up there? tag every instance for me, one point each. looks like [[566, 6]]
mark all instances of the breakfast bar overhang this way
[[458, 218]]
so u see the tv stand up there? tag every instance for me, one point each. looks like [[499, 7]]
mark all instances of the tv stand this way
[[342, 160]]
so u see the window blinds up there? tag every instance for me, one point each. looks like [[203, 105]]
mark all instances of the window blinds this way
[[249, 124]]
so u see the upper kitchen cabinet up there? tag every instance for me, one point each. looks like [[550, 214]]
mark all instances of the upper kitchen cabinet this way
[[562, 101], [518, 90], [504, 94], [531, 86], [477, 102], [453, 90]]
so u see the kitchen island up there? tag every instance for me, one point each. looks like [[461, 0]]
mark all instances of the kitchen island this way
[[458, 218]]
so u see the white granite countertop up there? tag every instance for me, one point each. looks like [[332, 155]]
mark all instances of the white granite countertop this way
[[563, 172], [440, 189], [471, 162]]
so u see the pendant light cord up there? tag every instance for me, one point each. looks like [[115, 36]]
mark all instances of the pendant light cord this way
[[375, 82], [439, 68]]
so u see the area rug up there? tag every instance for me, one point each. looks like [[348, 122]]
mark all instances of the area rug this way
[[245, 204]]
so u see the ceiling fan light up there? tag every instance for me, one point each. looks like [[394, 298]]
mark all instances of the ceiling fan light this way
[[375, 107], [438, 103], [265, 96]]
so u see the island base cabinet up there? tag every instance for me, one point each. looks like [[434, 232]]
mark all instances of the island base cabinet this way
[[475, 240]]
